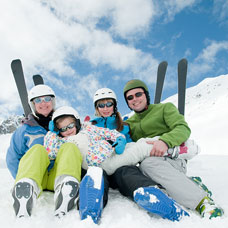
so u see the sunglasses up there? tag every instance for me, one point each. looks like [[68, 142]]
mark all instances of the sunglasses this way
[[108, 105], [69, 126], [131, 97], [46, 99]]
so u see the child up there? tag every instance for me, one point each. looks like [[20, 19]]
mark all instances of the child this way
[[101, 146]]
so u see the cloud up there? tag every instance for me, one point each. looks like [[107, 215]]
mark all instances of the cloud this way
[[169, 8], [124, 17], [220, 10], [206, 60]]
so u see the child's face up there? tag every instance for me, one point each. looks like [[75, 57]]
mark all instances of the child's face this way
[[66, 123]]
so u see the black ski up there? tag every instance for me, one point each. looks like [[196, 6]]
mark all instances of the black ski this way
[[182, 76], [18, 74], [38, 80], [160, 81]]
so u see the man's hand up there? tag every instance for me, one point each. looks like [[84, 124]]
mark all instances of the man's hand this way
[[159, 148]]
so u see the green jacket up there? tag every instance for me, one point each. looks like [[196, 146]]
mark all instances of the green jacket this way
[[162, 120]]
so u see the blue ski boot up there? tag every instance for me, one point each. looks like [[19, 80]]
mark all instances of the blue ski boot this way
[[157, 202], [91, 194]]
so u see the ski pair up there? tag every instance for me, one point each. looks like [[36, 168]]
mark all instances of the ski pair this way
[[182, 75]]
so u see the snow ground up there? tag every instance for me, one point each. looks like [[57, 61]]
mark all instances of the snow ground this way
[[120, 211]]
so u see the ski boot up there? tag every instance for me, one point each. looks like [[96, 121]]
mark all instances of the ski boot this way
[[91, 194], [24, 194], [66, 196], [155, 201], [198, 181], [208, 209]]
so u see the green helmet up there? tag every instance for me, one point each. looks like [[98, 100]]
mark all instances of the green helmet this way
[[136, 83]]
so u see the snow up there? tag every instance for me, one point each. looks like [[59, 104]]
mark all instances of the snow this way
[[95, 173], [206, 112]]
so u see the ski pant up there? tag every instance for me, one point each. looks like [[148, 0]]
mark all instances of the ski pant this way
[[34, 165], [171, 174], [129, 178], [134, 153]]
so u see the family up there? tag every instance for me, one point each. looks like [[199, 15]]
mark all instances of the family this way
[[144, 157]]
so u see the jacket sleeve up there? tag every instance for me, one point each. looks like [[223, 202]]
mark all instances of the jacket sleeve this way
[[16, 150], [179, 129]]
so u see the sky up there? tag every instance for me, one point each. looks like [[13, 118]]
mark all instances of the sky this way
[[79, 46]]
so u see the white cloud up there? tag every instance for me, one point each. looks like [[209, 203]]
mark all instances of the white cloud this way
[[132, 16], [207, 58], [220, 10], [169, 8], [125, 17]]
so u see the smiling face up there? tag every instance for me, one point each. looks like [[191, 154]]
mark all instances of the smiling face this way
[[105, 111], [43, 108], [65, 122], [137, 99]]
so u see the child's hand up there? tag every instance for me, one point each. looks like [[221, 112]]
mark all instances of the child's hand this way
[[119, 145]]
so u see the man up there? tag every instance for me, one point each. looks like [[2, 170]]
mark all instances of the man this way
[[165, 121]]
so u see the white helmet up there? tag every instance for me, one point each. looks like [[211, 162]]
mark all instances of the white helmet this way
[[104, 93], [39, 91], [65, 110]]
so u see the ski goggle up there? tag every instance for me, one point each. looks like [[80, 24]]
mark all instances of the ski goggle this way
[[46, 99], [69, 126], [131, 97], [108, 105]]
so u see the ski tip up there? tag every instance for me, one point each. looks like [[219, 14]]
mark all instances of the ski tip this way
[[15, 61], [163, 63], [184, 60]]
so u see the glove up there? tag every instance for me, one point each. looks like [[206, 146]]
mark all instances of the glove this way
[[119, 145], [87, 118]]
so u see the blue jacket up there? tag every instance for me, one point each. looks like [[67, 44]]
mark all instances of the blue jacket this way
[[110, 122], [27, 135]]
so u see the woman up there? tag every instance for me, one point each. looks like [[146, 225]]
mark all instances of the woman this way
[[105, 103], [29, 164]]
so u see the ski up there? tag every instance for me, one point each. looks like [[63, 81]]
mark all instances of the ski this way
[[160, 81], [18, 74], [38, 80], [182, 76]]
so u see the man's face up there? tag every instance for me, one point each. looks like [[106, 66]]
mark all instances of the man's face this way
[[136, 99]]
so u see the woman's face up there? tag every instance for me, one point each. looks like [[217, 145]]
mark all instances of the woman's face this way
[[70, 128], [105, 107], [44, 108]]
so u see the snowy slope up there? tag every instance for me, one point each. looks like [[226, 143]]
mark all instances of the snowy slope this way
[[206, 112]]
